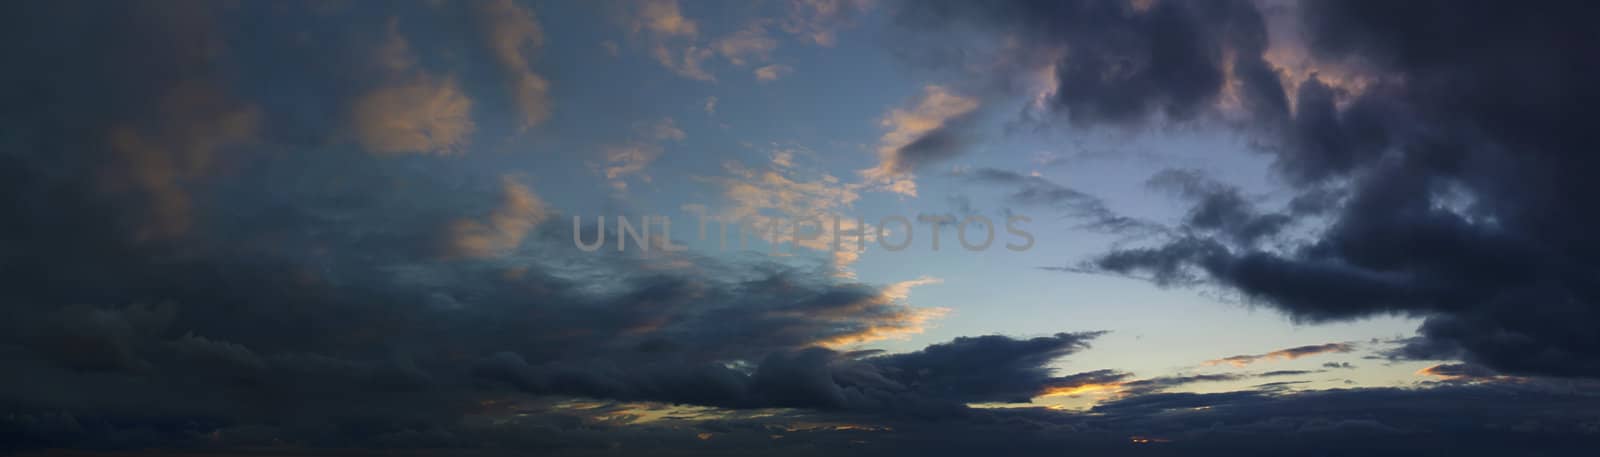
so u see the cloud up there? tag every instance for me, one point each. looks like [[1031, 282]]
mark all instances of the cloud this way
[[688, 62], [165, 126], [197, 122], [662, 130], [1276, 373], [772, 72], [1430, 149], [502, 231], [512, 31], [672, 38], [1111, 385], [1283, 354], [630, 160], [1038, 191], [1457, 372], [986, 368], [770, 199], [937, 380], [1220, 208], [750, 44], [663, 17], [423, 116], [675, 42], [819, 21], [1171, 60], [929, 131]]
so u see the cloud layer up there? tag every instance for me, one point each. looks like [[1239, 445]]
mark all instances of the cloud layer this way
[[1439, 178]]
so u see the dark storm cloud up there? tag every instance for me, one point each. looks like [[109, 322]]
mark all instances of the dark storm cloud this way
[[1386, 421], [1451, 173], [985, 368], [1220, 208], [1503, 419], [1125, 64]]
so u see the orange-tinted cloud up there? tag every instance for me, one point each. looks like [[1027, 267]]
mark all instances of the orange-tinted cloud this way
[[819, 21], [513, 31], [411, 111], [883, 316], [625, 161], [772, 72], [520, 211], [664, 17], [1283, 354], [767, 201], [423, 116], [193, 123], [1080, 389], [1468, 373], [932, 111]]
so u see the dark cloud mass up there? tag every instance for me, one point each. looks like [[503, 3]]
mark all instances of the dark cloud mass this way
[[1456, 132], [1122, 64]]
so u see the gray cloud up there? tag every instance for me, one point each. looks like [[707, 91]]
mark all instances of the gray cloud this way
[[1460, 163], [1038, 191]]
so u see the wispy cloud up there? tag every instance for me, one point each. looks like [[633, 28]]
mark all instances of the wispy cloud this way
[[503, 229], [923, 133], [1283, 354]]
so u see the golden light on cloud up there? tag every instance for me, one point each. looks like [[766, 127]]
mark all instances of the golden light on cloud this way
[[900, 322], [898, 325], [671, 39], [784, 193], [1436, 371], [645, 412], [628, 161], [1462, 372], [936, 107], [1081, 389], [520, 211], [1288, 54], [413, 112]]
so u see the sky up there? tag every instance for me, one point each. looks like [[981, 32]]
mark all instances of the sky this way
[[798, 227]]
